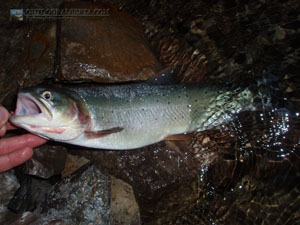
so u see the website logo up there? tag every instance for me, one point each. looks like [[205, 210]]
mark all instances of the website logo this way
[[16, 15]]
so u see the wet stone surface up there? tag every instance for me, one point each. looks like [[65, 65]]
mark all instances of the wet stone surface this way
[[124, 208], [9, 184], [108, 48], [30, 192], [27, 218], [148, 169], [27, 57], [153, 172], [81, 198], [73, 163], [87, 196], [46, 162]]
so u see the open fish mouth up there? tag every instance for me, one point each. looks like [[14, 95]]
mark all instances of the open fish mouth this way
[[30, 106]]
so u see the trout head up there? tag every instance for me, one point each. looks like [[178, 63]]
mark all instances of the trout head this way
[[51, 113]]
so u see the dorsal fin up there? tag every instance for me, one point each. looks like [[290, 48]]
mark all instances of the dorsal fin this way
[[164, 77]]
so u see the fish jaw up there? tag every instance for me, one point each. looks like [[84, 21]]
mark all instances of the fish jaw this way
[[28, 105], [30, 111], [39, 117]]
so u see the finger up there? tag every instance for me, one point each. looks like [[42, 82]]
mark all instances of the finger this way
[[15, 158], [3, 116], [3, 119], [13, 143]]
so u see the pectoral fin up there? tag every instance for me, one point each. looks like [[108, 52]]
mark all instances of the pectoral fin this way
[[178, 137], [102, 133]]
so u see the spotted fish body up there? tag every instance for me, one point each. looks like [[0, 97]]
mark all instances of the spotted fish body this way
[[126, 116]]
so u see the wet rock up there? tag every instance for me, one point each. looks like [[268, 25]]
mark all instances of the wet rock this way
[[9, 184], [30, 192], [27, 52], [10, 51], [28, 218], [85, 197], [177, 202], [81, 198], [39, 54], [153, 171], [47, 161], [124, 208], [108, 48], [147, 169], [73, 162], [22, 200], [27, 57]]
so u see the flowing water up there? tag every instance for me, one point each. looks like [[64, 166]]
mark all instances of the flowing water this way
[[254, 176]]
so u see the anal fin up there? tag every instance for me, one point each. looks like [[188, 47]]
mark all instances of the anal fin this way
[[178, 137]]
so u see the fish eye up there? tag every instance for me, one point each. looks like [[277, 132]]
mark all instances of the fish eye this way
[[47, 95]]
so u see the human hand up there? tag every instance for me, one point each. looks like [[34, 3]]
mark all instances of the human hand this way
[[15, 150]]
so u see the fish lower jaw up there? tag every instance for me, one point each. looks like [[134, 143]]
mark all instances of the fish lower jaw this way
[[35, 120], [60, 134], [56, 130], [44, 131]]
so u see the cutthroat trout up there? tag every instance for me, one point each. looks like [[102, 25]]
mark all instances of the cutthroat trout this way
[[126, 116]]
